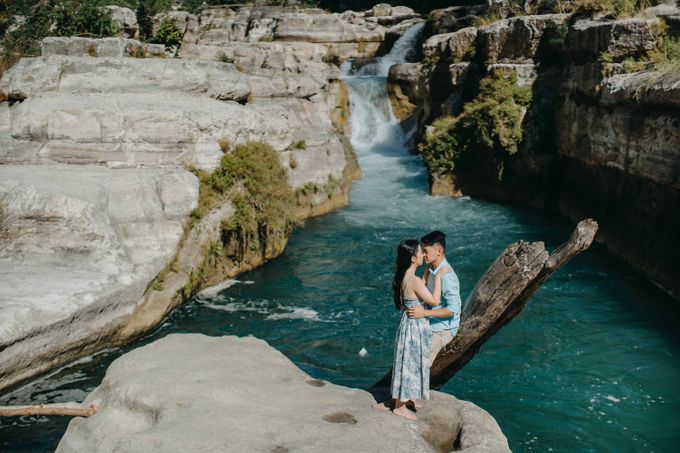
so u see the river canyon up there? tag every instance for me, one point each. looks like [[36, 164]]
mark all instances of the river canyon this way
[[590, 365]]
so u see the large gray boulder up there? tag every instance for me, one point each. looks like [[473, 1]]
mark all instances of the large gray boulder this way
[[157, 129], [526, 73], [78, 246], [197, 393], [128, 129], [588, 39], [76, 46], [517, 38], [325, 28], [275, 69], [346, 35], [647, 88], [454, 18], [304, 59], [218, 25], [123, 75], [454, 46], [125, 18], [405, 88]]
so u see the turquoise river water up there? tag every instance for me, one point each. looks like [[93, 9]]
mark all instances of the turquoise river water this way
[[591, 364]]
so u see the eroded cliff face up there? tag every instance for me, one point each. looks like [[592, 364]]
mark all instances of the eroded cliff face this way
[[100, 144], [598, 140]]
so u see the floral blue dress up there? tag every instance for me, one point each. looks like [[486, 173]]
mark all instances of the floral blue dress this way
[[411, 368]]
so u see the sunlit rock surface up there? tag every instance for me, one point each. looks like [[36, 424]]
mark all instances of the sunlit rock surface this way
[[78, 245], [198, 393]]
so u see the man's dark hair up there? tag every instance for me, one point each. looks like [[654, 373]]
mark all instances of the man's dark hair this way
[[434, 237]]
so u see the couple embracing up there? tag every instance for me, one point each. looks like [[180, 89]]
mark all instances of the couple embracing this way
[[430, 317]]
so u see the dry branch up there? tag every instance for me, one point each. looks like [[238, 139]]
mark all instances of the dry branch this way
[[64, 409], [500, 295]]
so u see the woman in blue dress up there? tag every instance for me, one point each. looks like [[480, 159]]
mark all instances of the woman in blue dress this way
[[411, 369]]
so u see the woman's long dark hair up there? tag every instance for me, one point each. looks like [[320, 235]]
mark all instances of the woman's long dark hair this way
[[405, 251]]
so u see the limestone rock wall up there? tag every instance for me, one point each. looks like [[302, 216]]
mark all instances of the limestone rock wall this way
[[598, 142], [96, 139]]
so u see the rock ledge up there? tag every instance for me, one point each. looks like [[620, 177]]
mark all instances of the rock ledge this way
[[191, 392]]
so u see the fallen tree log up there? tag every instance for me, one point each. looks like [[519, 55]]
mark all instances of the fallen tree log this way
[[500, 295], [63, 409]]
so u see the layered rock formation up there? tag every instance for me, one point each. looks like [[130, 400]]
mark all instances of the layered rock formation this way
[[198, 393], [97, 137], [598, 142]]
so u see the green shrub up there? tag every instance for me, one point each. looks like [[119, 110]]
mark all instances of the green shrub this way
[[431, 60], [224, 58], [632, 65], [616, 8], [225, 145], [168, 33], [300, 144], [487, 18], [264, 199], [332, 58], [492, 120], [145, 11], [252, 178], [666, 56]]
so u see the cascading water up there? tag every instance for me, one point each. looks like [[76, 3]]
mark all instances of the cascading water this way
[[401, 50], [590, 365], [372, 122]]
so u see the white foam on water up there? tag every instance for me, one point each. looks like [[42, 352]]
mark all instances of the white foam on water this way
[[212, 291], [233, 307], [613, 398], [296, 313], [81, 361]]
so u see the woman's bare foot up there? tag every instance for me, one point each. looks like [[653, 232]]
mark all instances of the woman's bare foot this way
[[384, 406], [413, 405], [403, 412]]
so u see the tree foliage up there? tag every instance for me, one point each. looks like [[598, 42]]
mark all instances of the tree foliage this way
[[493, 120], [51, 18]]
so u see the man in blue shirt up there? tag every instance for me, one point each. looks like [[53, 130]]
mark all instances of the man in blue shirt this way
[[445, 317]]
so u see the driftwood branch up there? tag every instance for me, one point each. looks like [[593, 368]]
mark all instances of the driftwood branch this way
[[500, 295], [64, 409]]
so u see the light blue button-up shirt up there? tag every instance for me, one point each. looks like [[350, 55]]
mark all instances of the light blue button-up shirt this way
[[450, 299]]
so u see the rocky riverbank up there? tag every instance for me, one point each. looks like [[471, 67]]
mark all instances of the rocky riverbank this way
[[199, 393], [105, 145], [572, 113]]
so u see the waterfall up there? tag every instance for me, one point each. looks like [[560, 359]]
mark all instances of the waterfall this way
[[401, 49], [372, 122]]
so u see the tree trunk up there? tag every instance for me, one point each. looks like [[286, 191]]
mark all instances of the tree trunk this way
[[65, 409], [500, 295]]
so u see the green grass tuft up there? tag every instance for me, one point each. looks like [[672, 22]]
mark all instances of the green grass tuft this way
[[616, 8], [224, 58]]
